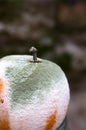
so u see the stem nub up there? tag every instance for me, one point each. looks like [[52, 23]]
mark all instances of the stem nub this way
[[33, 51]]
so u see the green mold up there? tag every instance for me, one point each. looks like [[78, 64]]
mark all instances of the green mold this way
[[28, 80]]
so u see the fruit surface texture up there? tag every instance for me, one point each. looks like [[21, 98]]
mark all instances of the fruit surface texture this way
[[33, 96]]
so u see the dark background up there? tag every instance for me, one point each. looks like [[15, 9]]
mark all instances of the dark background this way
[[57, 28]]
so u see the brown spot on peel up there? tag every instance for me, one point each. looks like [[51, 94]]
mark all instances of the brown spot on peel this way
[[51, 121], [1, 100]]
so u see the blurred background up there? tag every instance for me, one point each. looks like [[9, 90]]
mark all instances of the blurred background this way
[[57, 28]]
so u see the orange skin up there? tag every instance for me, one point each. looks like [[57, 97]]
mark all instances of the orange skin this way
[[51, 121], [1, 91], [4, 119], [1, 86]]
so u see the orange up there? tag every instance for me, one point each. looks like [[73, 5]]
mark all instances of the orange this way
[[33, 95]]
